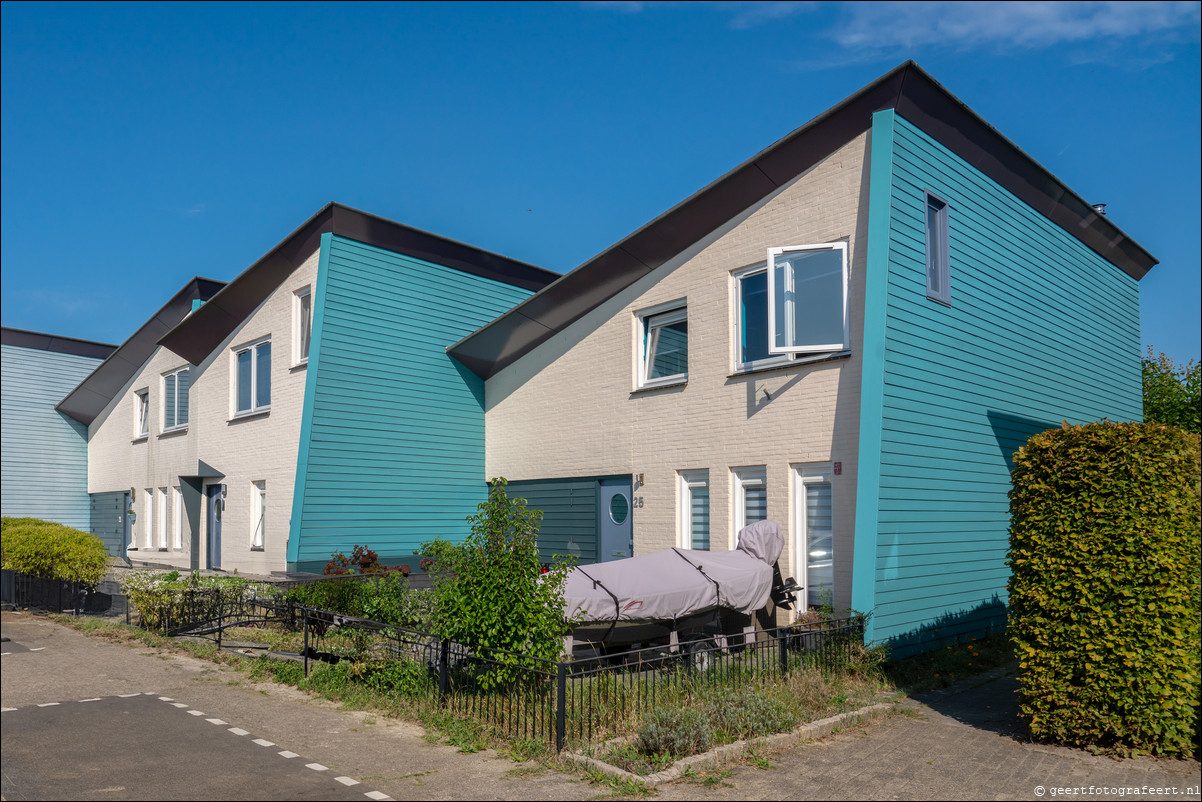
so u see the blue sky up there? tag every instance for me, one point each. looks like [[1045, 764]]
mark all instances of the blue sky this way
[[147, 143]]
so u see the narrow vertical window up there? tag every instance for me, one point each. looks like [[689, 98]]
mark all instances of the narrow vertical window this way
[[258, 516], [664, 354], [141, 413], [303, 312], [694, 510], [148, 513], [815, 533], [175, 399], [161, 519], [177, 529], [750, 497], [938, 265], [252, 378]]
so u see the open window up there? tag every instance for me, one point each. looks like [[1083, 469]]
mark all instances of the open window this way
[[807, 299], [664, 346]]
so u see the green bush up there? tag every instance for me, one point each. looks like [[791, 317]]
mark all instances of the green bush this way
[[1105, 590], [675, 731], [160, 597], [491, 593], [749, 712], [52, 551], [1172, 392], [388, 599]]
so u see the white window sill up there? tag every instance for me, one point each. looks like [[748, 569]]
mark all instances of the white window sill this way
[[765, 365], [174, 431], [142, 438], [304, 363], [662, 384], [262, 412]]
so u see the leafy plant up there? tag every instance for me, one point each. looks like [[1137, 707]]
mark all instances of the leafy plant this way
[[52, 551], [675, 731], [1172, 393], [491, 592], [1105, 595]]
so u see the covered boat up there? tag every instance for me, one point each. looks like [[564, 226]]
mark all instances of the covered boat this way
[[674, 586]]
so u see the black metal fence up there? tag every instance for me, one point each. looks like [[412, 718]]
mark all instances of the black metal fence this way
[[54, 595], [580, 700]]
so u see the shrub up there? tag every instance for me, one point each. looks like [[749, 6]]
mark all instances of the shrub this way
[[1105, 590], [52, 551], [1172, 393], [676, 731], [749, 712], [492, 593], [161, 598], [388, 599]]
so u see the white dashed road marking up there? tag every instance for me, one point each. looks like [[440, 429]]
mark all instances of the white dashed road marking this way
[[262, 742], [216, 721], [238, 731], [346, 781], [288, 755], [316, 767]]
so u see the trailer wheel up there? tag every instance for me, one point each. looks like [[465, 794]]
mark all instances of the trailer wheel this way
[[700, 653]]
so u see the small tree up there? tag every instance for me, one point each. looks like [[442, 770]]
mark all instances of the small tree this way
[[1172, 392], [491, 591]]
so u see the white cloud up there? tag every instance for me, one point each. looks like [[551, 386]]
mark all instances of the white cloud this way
[[1017, 24]]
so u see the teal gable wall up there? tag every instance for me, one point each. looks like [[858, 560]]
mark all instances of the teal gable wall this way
[[44, 453], [1040, 329], [392, 439]]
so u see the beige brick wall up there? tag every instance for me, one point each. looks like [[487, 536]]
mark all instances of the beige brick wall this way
[[570, 407], [257, 448]]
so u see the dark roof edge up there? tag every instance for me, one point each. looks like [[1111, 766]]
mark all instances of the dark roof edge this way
[[93, 394], [55, 343], [203, 331], [912, 93]]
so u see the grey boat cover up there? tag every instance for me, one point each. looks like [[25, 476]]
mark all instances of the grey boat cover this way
[[673, 583]]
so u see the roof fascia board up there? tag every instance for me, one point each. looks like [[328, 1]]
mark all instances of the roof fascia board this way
[[205, 329], [907, 89], [93, 394], [38, 341]]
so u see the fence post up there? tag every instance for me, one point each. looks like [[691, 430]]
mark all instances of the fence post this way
[[561, 707], [444, 669], [782, 638], [305, 620]]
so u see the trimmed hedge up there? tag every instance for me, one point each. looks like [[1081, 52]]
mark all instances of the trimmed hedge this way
[[52, 551], [1105, 602]]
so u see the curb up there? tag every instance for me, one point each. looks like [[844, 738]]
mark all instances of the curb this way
[[807, 732]]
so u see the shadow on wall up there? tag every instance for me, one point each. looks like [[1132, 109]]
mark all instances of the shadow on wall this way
[[1013, 431], [976, 622]]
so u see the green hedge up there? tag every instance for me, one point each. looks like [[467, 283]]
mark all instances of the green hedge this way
[[52, 551], [1104, 594]]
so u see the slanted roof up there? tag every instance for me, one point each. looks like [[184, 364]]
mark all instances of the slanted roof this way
[[200, 333], [94, 393], [907, 89], [38, 341]]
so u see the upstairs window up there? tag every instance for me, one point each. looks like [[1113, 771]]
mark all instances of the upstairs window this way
[[938, 264], [303, 314], [141, 413], [807, 299], [252, 378], [175, 399], [664, 353]]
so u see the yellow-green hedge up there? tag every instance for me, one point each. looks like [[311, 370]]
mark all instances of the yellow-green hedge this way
[[1104, 593], [52, 551]]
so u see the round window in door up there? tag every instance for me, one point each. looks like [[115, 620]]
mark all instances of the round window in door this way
[[619, 508]]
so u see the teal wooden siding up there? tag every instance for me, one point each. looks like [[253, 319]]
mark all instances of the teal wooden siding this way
[[392, 440], [44, 453], [1040, 329], [569, 526]]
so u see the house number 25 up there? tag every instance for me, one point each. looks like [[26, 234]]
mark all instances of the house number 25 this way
[[637, 501]]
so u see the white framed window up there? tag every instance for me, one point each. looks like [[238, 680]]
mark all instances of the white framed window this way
[[175, 399], [161, 519], [148, 515], [142, 413], [694, 510], [807, 299], [258, 515], [664, 345], [177, 517], [302, 316], [814, 532], [252, 378], [938, 264], [750, 498]]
